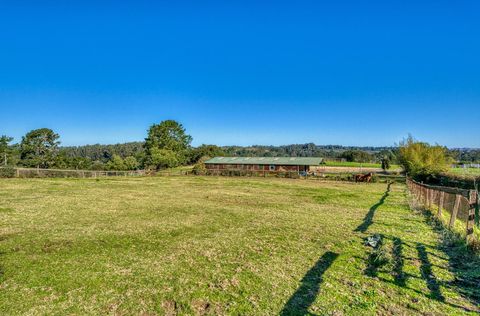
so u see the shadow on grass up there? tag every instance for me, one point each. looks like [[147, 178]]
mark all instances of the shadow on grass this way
[[427, 275], [400, 277], [306, 294], [463, 263], [368, 220], [398, 262]]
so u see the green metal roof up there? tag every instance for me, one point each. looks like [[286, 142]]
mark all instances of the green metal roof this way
[[292, 161]]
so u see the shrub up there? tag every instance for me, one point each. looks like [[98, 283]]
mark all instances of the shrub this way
[[7, 172], [422, 160], [199, 168]]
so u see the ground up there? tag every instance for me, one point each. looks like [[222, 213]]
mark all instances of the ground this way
[[208, 245]]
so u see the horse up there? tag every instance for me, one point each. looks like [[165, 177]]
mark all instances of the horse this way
[[364, 177]]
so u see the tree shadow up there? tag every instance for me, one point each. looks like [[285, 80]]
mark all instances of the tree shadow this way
[[427, 274], [368, 220], [306, 294]]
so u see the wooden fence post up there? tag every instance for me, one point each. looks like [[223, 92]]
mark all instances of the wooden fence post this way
[[472, 200], [453, 217], [425, 194], [430, 198], [440, 204]]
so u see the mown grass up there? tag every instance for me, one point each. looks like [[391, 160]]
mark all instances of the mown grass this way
[[208, 245]]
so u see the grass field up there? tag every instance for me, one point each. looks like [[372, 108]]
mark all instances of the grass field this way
[[465, 171], [207, 245]]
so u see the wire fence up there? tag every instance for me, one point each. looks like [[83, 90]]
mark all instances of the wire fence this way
[[62, 173], [457, 208]]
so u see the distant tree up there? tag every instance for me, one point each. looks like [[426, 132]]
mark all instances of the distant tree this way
[[39, 148], [205, 151], [98, 165], [80, 163], [161, 159], [422, 160], [357, 156], [385, 163], [5, 150], [168, 142], [117, 163], [62, 161], [131, 163]]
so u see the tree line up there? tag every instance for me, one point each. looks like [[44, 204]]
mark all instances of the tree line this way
[[168, 145]]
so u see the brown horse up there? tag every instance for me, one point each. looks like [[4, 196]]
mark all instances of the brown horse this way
[[364, 177]]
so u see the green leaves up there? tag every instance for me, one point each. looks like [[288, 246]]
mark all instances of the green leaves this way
[[39, 148], [422, 160], [167, 145]]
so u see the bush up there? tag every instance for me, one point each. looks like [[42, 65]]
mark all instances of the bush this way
[[200, 168], [7, 172], [423, 161]]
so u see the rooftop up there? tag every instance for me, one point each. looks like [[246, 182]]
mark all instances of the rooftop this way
[[294, 161]]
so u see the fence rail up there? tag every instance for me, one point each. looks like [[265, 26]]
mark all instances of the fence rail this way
[[456, 206], [338, 176], [63, 173]]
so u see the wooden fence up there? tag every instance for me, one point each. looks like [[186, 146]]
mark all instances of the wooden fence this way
[[62, 173], [456, 205], [337, 176]]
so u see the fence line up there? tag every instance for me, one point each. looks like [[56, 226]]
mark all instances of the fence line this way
[[65, 173], [455, 205], [343, 176]]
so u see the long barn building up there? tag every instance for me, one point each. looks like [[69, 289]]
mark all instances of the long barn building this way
[[272, 164]]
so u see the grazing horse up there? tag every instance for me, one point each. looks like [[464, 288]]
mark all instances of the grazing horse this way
[[364, 177]]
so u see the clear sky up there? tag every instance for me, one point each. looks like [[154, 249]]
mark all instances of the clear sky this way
[[243, 72]]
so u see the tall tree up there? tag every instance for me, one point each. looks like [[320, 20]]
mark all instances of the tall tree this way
[[39, 148], [169, 137], [4, 149]]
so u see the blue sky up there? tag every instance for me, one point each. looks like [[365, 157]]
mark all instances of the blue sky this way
[[243, 72]]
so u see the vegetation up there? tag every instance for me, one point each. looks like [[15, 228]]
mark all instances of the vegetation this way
[[469, 172], [167, 145], [199, 168], [208, 245], [422, 160], [356, 164], [205, 151], [7, 172], [5, 150], [385, 163], [39, 148], [357, 156]]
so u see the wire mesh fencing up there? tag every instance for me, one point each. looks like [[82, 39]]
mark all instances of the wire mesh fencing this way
[[455, 207], [62, 173]]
